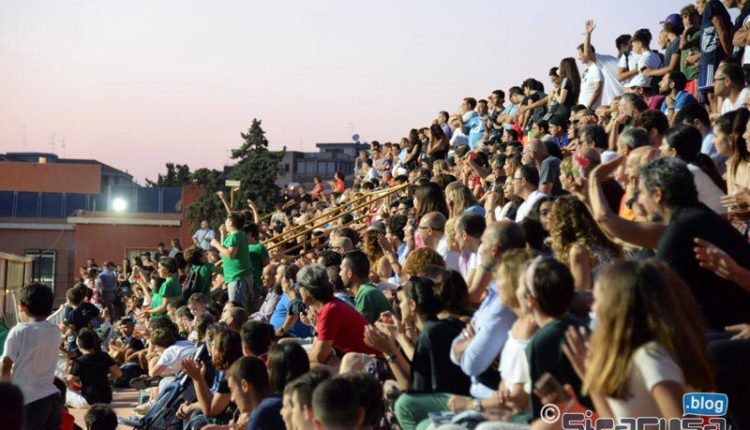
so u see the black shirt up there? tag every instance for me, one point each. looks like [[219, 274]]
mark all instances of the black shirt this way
[[432, 369], [92, 369], [545, 355], [723, 302], [82, 316]]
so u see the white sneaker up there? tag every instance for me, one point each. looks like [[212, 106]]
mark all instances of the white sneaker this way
[[143, 408]]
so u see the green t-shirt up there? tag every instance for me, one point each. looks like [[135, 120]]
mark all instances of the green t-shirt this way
[[204, 279], [371, 302], [258, 254], [238, 267], [170, 288], [691, 72]]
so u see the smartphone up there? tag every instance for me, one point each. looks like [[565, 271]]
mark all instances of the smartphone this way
[[548, 386]]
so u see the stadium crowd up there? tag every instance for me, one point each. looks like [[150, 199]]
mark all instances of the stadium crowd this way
[[581, 242]]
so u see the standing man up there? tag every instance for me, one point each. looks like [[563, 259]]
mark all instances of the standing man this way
[[203, 236], [235, 257], [106, 283], [592, 80]]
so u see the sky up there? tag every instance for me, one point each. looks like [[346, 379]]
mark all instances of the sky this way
[[137, 84]]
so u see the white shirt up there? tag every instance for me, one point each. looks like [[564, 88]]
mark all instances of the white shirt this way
[[526, 206], [746, 54], [630, 64], [33, 348], [592, 77], [450, 257], [649, 60], [172, 357], [708, 193], [651, 364], [728, 106]]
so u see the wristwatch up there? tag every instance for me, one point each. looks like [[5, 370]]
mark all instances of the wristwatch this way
[[478, 405]]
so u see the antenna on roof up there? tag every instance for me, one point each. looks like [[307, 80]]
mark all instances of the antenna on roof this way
[[63, 148], [52, 142]]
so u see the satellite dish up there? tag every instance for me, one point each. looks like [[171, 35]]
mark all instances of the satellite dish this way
[[355, 138]]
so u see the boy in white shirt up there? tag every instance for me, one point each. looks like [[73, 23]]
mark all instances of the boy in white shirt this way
[[30, 359]]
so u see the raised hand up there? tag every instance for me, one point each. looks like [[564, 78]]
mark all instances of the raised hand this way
[[577, 348], [589, 26]]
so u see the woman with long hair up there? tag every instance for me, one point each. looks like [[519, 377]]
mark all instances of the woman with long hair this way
[[438, 146], [318, 192], [578, 241], [684, 142], [414, 150], [649, 346], [730, 139], [429, 197], [570, 86], [460, 200]]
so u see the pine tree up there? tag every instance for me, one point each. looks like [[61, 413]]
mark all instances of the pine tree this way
[[257, 169]]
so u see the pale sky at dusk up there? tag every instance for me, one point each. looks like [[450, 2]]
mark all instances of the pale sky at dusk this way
[[135, 84]]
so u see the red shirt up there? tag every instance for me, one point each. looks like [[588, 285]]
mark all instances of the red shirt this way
[[340, 323], [339, 187]]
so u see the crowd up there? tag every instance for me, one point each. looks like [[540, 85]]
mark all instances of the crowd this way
[[584, 245]]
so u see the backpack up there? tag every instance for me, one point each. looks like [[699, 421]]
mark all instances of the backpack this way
[[190, 285]]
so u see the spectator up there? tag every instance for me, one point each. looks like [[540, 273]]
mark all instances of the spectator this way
[[169, 290], [251, 391], [672, 85], [526, 186], [92, 369], [198, 279], [671, 31], [592, 80], [235, 258], [297, 410], [715, 41], [100, 417], [338, 325], [729, 84], [203, 236], [683, 141], [336, 405], [547, 165], [730, 134], [30, 358], [368, 299]]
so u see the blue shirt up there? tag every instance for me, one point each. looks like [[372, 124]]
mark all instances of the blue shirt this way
[[682, 99], [267, 416], [279, 314], [562, 142], [476, 129], [492, 322]]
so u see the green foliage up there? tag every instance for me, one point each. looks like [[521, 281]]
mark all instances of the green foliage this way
[[257, 169], [208, 206], [177, 175]]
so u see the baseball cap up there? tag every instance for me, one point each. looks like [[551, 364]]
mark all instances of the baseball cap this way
[[672, 19]]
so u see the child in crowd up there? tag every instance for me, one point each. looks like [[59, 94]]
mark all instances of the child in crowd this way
[[100, 417], [30, 358], [92, 368]]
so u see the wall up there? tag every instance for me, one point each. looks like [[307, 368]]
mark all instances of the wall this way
[[62, 242], [51, 177]]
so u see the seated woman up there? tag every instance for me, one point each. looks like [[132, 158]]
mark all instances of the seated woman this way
[[642, 359]]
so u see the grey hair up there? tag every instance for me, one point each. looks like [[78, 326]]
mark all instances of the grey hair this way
[[314, 279], [505, 234], [633, 138]]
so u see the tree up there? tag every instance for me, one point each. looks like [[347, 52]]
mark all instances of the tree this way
[[208, 206], [177, 175], [257, 169]]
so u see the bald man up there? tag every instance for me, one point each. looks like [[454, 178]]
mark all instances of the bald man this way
[[535, 152], [432, 229]]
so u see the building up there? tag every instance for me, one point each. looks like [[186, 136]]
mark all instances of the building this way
[[59, 212], [301, 167]]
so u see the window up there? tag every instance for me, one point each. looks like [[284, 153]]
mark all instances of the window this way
[[286, 167], [42, 266]]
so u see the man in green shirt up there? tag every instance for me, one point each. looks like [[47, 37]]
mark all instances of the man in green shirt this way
[[355, 274], [235, 258], [258, 256]]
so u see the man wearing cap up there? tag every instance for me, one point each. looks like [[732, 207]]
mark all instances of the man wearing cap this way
[[672, 29]]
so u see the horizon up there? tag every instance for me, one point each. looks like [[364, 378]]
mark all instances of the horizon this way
[[137, 86]]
